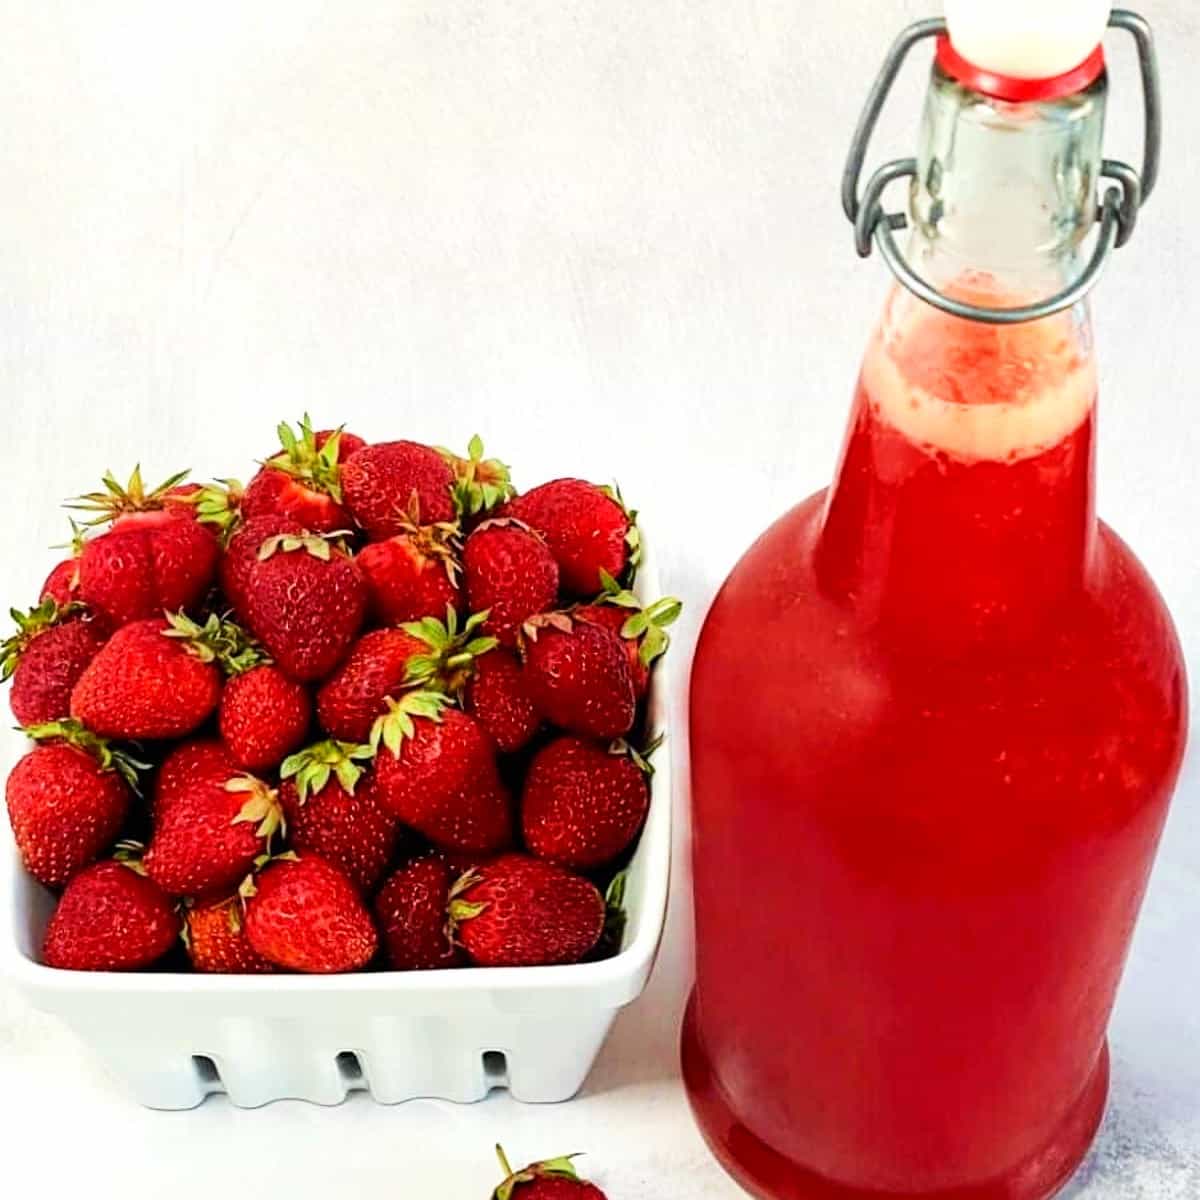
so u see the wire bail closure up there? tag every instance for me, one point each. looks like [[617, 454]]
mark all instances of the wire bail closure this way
[[1117, 213]]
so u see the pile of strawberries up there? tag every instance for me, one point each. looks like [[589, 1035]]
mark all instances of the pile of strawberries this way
[[374, 709]]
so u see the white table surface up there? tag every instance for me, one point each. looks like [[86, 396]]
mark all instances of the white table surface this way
[[605, 235]]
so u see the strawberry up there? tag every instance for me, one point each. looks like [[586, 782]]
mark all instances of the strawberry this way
[[62, 584], [189, 763], [117, 500], [304, 481], [554, 1179], [643, 630], [263, 717], [521, 912], [584, 804], [304, 915], [410, 911], [215, 936], [479, 484], [413, 574], [241, 555], [496, 696], [355, 695], [110, 918], [305, 603], [510, 575], [578, 676], [209, 835], [333, 813], [435, 769], [381, 481], [587, 528], [67, 799], [151, 679], [45, 658]]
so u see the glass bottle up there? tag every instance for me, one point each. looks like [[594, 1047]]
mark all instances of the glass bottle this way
[[937, 715]]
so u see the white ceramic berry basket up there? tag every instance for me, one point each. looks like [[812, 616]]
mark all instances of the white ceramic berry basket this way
[[452, 1035]]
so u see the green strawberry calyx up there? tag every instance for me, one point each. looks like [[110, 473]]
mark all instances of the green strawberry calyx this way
[[219, 640], [551, 1168], [314, 766], [109, 758], [440, 542], [218, 504], [300, 457], [129, 854], [318, 545], [480, 484], [118, 499], [458, 909], [450, 662], [563, 622], [36, 621], [640, 758], [633, 536], [248, 888], [397, 725], [647, 626], [261, 808]]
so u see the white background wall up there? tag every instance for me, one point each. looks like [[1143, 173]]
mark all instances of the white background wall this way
[[605, 234]]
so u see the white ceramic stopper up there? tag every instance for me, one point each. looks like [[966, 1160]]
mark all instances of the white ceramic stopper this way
[[1027, 39]]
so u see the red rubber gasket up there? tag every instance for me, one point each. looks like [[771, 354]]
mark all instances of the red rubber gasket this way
[[1008, 87]]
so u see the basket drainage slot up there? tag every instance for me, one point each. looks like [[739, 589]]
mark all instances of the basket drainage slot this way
[[350, 1069], [495, 1069], [207, 1074]]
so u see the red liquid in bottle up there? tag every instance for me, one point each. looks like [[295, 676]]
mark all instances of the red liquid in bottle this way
[[937, 716]]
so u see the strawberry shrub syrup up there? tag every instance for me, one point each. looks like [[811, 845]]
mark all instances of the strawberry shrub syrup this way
[[937, 715]]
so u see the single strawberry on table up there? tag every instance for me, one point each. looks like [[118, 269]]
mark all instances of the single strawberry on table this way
[[410, 911], [584, 804], [414, 573], [209, 836], [435, 769], [67, 799], [510, 574], [305, 602], [45, 658], [303, 914], [578, 676], [554, 1179], [331, 811], [587, 528], [304, 480], [152, 679], [215, 937], [380, 482], [518, 911], [110, 918], [497, 697], [480, 484]]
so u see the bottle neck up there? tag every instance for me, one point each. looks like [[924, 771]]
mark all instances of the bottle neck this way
[[963, 507]]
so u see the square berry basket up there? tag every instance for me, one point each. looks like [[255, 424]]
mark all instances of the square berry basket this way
[[453, 1035]]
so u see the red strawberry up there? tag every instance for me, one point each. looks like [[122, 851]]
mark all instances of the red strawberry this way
[[332, 812], [435, 769], [304, 481], [45, 658], [479, 484], [414, 574], [578, 676], [187, 764], [263, 717], [583, 804], [555, 1179], [67, 800], [587, 528], [356, 694], [380, 481], [305, 603], [410, 911], [510, 575], [110, 918], [210, 834], [496, 696], [151, 679], [215, 936], [62, 584], [305, 915], [241, 555], [643, 630], [522, 912]]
